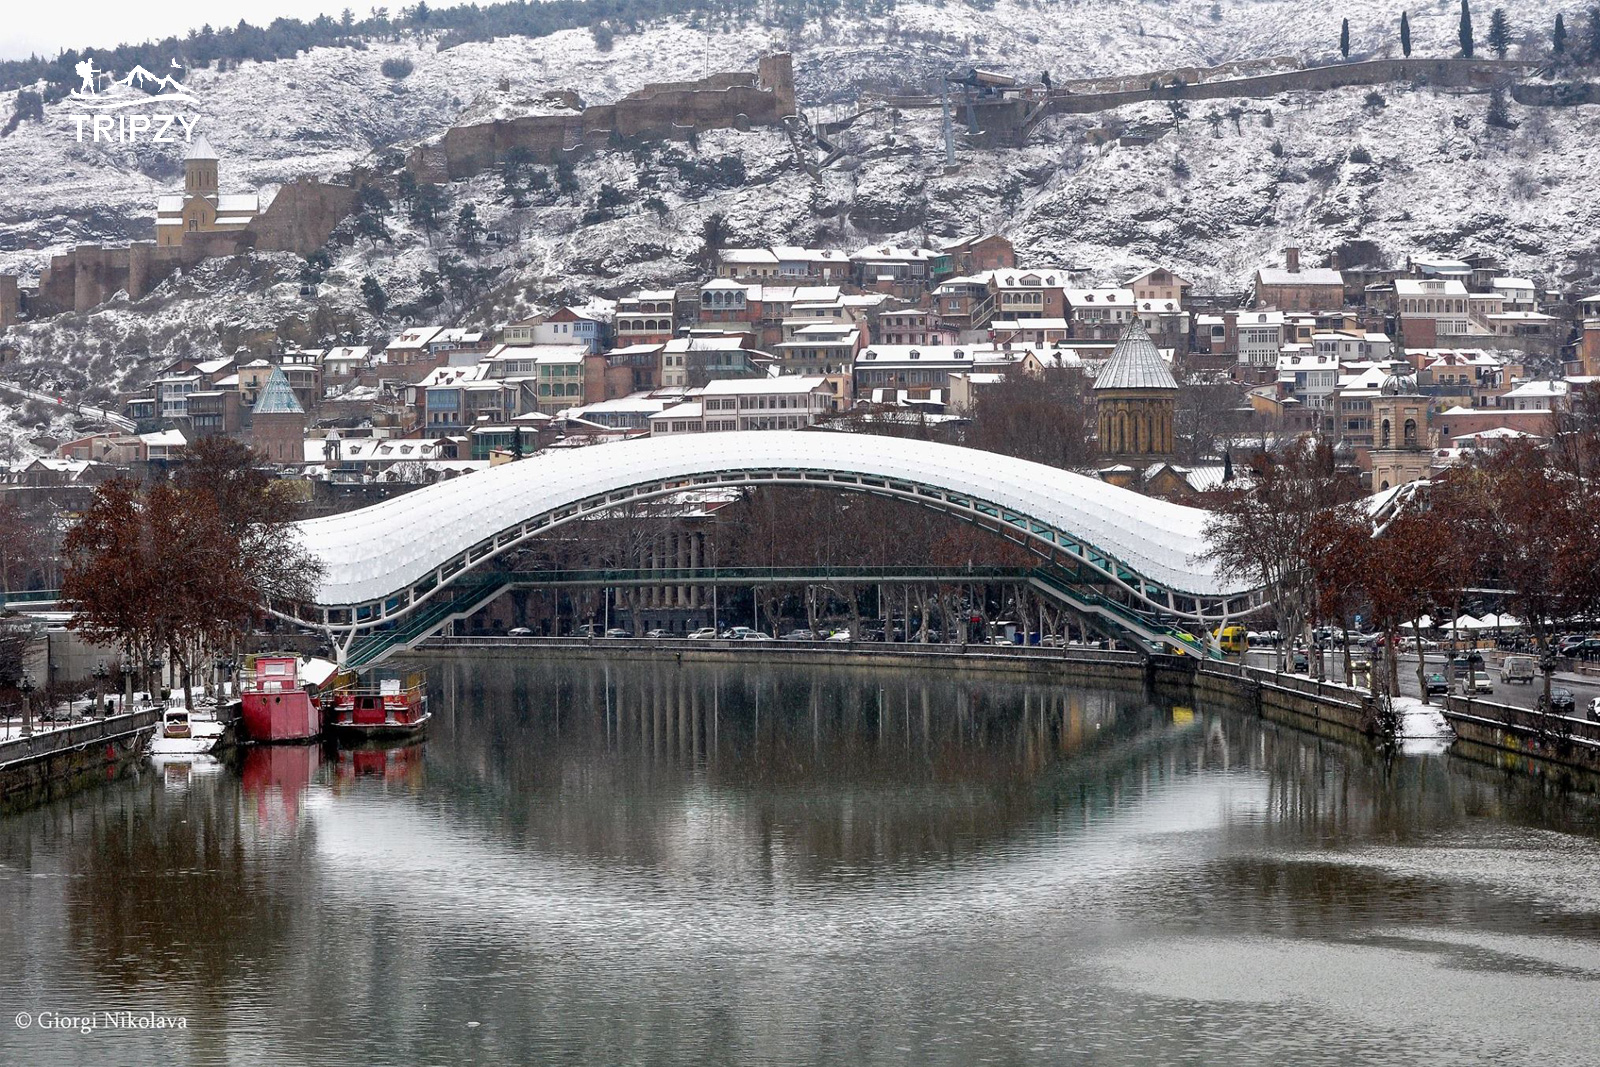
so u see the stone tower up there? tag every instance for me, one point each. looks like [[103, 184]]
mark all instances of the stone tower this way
[[1401, 439], [278, 422], [1135, 397], [200, 168]]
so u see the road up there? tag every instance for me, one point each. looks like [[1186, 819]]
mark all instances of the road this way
[[119, 421], [1585, 687]]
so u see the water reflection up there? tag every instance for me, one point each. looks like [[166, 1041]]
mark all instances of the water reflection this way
[[654, 862]]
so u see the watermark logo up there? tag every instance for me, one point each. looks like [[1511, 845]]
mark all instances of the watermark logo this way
[[110, 108]]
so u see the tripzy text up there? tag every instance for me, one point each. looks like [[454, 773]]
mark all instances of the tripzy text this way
[[160, 129]]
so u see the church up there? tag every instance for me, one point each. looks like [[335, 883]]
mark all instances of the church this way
[[200, 208]]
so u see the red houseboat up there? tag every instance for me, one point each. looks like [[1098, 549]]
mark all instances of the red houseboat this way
[[392, 708], [278, 700]]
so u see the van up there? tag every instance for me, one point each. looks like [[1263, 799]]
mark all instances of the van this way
[[1232, 640], [1517, 669]]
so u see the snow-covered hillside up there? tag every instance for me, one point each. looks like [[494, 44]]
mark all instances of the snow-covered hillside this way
[[1215, 196]]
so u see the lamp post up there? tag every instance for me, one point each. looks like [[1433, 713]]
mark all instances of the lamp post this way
[[27, 688], [101, 673]]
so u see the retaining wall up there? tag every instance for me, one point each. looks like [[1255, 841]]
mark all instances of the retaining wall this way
[[46, 765]]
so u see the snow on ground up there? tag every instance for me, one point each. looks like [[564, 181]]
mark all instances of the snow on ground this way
[[1422, 730]]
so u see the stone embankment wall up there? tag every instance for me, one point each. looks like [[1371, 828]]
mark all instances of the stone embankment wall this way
[[736, 100], [298, 220], [51, 763]]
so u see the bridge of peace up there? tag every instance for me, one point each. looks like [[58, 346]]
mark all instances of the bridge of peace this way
[[1125, 564]]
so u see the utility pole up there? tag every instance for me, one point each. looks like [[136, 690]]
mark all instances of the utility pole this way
[[949, 128]]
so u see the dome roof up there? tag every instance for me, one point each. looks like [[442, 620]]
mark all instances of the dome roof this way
[[1400, 384]]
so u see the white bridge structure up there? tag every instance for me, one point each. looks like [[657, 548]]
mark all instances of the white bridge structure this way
[[396, 572]]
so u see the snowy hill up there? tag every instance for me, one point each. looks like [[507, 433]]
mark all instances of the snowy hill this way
[[1215, 197]]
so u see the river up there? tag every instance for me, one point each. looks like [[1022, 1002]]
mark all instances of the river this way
[[654, 863]]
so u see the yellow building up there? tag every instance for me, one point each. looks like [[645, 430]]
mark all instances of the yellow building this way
[[1135, 398], [201, 208]]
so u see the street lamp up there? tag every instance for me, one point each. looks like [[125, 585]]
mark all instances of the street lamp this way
[[100, 676], [27, 688]]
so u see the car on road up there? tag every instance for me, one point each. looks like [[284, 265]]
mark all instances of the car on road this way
[[705, 633], [799, 635], [756, 635], [1594, 710], [1517, 669], [519, 631], [616, 633], [659, 635], [1476, 682], [1300, 663], [1562, 702], [839, 636], [1437, 685]]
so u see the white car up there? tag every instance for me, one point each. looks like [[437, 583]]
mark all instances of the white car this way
[[839, 635], [519, 631], [1594, 710], [705, 633]]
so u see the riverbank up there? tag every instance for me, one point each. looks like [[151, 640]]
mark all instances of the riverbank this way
[[1555, 748], [38, 767]]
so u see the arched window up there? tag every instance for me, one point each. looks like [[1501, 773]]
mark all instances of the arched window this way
[[1411, 433], [1383, 441]]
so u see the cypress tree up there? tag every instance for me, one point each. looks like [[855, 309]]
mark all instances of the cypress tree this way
[[1465, 31], [1499, 33], [1558, 38], [1499, 115], [1344, 39], [1405, 34], [1594, 35]]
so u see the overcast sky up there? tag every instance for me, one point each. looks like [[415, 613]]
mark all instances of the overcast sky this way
[[48, 26]]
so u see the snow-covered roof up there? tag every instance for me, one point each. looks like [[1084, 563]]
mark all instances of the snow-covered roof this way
[[1135, 364], [369, 553], [1429, 287], [201, 150], [164, 439], [1303, 276], [787, 383]]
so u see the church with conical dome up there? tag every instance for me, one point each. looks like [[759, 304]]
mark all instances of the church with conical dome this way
[[1135, 398], [201, 208]]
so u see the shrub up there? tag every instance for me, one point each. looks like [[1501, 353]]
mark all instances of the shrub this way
[[396, 68], [1359, 154]]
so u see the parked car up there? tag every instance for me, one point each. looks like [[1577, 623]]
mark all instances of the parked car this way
[[1300, 663], [659, 635], [1476, 682], [519, 631], [1437, 685], [1562, 702], [1517, 669], [799, 635], [705, 633], [615, 633]]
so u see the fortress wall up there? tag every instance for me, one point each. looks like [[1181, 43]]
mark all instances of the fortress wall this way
[[301, 216], [1448, 73]]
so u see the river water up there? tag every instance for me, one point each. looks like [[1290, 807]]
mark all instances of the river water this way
[[648, 863]]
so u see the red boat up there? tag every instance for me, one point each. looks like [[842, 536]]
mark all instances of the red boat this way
[[393, 708], [277, 701]]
